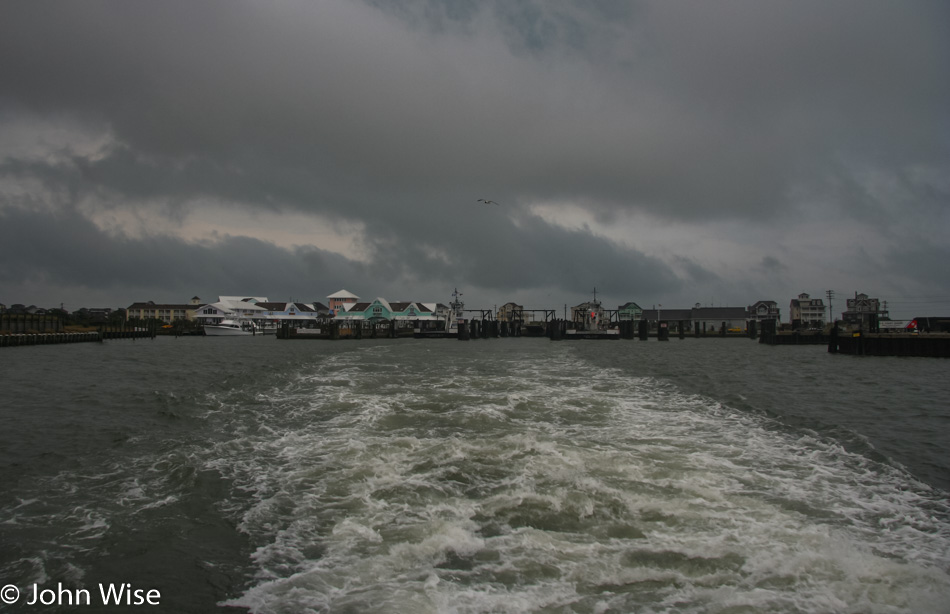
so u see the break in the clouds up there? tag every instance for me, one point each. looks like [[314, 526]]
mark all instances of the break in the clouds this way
[[671, 152]]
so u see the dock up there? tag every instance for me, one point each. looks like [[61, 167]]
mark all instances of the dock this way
[[890, 344], [35, 338]]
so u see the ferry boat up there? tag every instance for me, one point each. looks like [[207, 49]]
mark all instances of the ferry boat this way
[[593, 324], [448, 327]]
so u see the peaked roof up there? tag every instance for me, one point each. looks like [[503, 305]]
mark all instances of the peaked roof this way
[[242, 299], [343, 294], [286, 306]]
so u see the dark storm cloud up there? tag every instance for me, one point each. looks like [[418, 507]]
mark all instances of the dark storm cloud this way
[[509, 256], [400, 114], [67, 253], [709, 109]]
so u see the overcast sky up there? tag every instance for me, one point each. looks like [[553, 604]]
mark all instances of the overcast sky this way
[[672, 153]]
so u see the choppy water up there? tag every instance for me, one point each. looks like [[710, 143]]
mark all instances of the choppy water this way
[[509, 475]]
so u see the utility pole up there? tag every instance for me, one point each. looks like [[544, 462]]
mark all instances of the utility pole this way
[[831, 312]]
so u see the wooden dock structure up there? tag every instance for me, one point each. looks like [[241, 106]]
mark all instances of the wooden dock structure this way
[[890, 344], [35, 338]]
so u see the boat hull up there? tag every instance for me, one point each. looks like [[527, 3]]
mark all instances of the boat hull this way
[[224, 331], [592, 334]]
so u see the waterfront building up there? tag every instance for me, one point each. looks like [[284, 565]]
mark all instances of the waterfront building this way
[[699, 318], [764, 310], [167, 313], [863, 311], [232, 308], [629, 312], [291, 312], [717, 318], [383, 310], [661, 314], [806, 312], [341, 301], [510, 312]]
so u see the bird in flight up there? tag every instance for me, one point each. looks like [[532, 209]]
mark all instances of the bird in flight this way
[[487, 202]]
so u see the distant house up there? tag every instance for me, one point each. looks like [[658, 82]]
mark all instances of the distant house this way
[[765, 310], [862, 311], [510, 312], [341, 301], [806, 312], [167, 313], [629, 311]]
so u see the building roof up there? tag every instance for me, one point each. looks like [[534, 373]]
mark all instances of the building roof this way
[[667, 314], [152, 305], [242, 299], [720, 313], [286, 306], [343, 294]]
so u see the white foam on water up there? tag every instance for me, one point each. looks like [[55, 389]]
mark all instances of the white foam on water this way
[[553, 485]]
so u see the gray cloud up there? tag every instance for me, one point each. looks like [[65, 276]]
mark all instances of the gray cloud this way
[[399, 114], [70, 255]]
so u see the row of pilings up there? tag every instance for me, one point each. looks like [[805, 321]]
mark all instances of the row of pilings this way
[[20, 339], [556, 329], [104, 333], [861, 343]]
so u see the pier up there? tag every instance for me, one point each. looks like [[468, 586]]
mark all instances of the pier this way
[[33, 338], [890, 344], [21, 330]]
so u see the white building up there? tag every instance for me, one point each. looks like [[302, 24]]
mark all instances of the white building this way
[[807, 312], [232, 308]]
